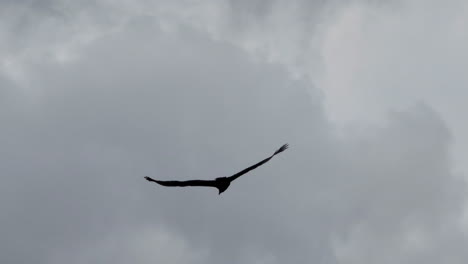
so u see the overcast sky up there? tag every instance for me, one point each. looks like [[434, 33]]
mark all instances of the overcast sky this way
[[370, 95]]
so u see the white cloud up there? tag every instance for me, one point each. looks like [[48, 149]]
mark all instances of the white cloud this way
[[167, 89], [149, 245], [380, 59]]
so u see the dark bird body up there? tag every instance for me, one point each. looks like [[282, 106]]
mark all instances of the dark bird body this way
[[221, 183]]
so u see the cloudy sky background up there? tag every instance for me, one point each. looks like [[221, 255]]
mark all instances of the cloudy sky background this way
[[371, 95]]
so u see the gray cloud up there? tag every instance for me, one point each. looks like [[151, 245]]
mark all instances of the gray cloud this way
[[79, 135]]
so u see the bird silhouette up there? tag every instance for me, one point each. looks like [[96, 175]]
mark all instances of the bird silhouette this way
[[221, 183]]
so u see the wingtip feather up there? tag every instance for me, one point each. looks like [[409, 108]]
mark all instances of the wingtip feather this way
[[148, 178], [283, 148]]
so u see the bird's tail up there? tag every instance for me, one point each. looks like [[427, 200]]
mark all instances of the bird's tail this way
[[283, 148]]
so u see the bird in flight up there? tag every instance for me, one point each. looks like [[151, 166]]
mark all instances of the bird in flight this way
[[221, 183]]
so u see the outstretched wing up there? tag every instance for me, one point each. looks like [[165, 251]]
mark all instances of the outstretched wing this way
[[240, 173], [183, 183]]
